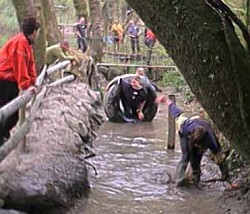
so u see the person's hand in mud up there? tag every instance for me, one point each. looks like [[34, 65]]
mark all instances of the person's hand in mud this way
[[140, 115]]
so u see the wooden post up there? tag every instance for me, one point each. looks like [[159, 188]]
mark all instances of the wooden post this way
[[171, 127]]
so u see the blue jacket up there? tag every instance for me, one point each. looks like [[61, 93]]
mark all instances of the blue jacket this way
[[189, 125]]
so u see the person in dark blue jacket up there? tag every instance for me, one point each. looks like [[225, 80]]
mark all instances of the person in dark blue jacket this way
[[133, 97], [196, 135]]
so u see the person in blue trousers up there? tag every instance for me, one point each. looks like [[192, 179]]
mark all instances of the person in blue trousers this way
[[196, 136]]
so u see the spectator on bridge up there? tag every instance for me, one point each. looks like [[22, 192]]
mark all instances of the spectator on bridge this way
[[81, 28], [134, 33], [59, 52], [149, 41], [150, 38], [17, 70], [117, 32], [196, 136]]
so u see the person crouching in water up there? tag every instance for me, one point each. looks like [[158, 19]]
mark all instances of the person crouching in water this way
[[196, 136], [133, 97]]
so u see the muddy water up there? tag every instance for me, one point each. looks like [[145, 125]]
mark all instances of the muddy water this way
[[133, 174]]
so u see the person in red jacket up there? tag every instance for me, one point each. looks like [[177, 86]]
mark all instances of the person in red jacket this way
[[150, 38], [149, 41], [17, 70]]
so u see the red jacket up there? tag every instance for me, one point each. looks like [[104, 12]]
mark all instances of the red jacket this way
[[17, 62], [150, 35]]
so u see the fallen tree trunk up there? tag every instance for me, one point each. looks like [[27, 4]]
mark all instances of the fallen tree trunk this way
[[51, 172]]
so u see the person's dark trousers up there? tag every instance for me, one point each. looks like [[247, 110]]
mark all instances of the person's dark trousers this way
[[8, 91], [185, 157], [82, 44], [195, 160], [149, 54], [135, 45]]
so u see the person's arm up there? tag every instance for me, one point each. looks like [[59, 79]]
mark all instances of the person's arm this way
[[62, 56], [78, 31], [219, 157], [24, 68], [139, 110], [213, 143], [174, 110]]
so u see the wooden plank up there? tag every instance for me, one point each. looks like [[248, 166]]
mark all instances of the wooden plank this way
[[171, 127], [136, 66]]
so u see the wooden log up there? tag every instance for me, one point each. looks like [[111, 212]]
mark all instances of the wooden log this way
[[171, 127], [52, 172], [41, 77], [58, 66], [62, 80], [15, 104]]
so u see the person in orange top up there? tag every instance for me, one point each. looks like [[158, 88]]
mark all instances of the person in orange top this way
[[17, 70], [117, 32]]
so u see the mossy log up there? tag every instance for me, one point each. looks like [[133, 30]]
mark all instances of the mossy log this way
[[51, 172]]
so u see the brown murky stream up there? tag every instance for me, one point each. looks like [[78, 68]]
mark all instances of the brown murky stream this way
[[133, 167]]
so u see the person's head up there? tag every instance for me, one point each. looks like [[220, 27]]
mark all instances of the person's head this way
[[140, 71], [201, 112], [81, 20], [135, 82], [30, 28], [64, 45], [199, 138], [131, 22]]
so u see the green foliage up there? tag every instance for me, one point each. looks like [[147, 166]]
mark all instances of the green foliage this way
[[9, 24], [173, 79], [3, 39]]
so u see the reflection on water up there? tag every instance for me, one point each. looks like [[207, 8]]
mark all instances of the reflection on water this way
[[133, 174]]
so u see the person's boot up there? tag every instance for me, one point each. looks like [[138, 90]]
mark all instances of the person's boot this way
[[182, 182], [224, 171], [195, 177], [180, 175]]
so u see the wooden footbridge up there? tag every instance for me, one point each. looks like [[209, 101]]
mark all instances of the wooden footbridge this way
[[127, 60]]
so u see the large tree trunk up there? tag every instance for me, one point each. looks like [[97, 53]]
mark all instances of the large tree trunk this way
[[52, 32], [96, 50], [33, 8], [207, 51]]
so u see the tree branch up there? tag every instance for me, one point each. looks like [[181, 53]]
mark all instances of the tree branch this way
[[226, 11]]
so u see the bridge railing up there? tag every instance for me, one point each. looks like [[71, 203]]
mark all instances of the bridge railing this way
[[22, 100]]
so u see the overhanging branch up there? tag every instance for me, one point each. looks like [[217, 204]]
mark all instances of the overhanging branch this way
[[226, 11]]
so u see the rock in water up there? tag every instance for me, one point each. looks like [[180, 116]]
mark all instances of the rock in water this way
[[51, 172]]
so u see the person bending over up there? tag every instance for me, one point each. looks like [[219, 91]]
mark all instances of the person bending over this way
[[133, 97], [196, 136], [58, 52]]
